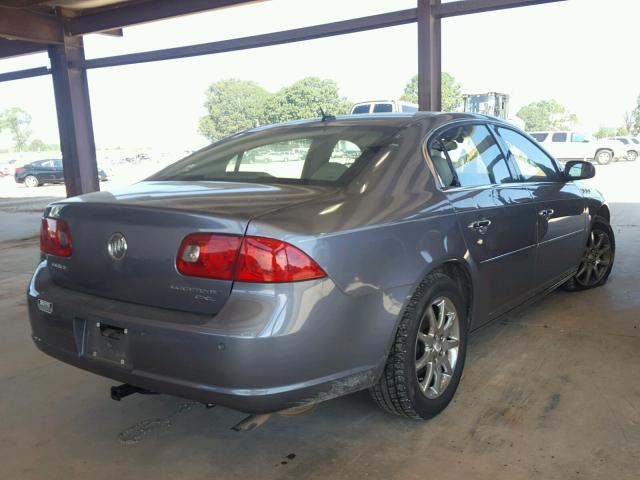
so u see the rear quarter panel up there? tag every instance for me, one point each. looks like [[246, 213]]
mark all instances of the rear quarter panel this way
[[383, 233]]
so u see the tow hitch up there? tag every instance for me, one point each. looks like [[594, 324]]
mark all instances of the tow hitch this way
[[124, 390]]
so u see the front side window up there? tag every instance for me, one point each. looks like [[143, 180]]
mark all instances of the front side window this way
[[468, 156], [382, 108], [409, 108], [360, 109], [559, 137], [635, 140], [331, 154], [578, 138], [533, 163]]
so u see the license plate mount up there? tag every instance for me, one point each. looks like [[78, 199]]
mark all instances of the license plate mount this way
[[107, 343]]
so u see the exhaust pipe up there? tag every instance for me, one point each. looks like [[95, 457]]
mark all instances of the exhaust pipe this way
[[257, 420], [124, 390]]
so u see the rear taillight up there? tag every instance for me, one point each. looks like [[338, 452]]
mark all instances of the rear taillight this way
[[209, 256], [274, 261], [244, 259], [19, 169], [55, 237]]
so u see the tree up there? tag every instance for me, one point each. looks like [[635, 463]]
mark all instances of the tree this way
[[451, 92], [635, 117], [622, 131], [37, 145], [18, 122], [546, 115], [605, 132], [232, 105], [628, 121], [304, 99]]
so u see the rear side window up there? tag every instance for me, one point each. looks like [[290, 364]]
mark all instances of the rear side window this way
[[409, 108], [382, 108], [468, 156], [559, 137], [360, 109], [533, 163], [540, 137]]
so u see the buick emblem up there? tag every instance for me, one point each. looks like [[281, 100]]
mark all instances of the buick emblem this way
[[117, 246]]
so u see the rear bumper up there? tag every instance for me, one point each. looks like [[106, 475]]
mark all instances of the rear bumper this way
[[271, 347]]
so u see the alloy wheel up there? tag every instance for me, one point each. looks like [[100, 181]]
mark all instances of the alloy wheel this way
[[596, 260], [437, 347], [604, 157], [31, 181]]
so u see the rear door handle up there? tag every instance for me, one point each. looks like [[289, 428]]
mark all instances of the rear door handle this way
[[546, 213], [480, 226]]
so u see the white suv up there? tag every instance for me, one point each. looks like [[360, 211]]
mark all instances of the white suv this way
[[383, 106], [632, 145], [577, 146]]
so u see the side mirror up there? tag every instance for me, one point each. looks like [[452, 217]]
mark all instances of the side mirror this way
[[579, 170]]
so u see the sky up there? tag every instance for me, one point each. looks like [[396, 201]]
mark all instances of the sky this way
[[583, 53]]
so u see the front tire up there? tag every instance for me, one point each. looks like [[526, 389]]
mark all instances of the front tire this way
[[597, 260], [632, 156], [425, 363], [604, 157], [31, 181]]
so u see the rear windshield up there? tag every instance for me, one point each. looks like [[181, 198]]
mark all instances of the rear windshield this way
[[326, 155]]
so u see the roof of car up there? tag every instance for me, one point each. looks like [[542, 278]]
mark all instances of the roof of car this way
[[388, 119]]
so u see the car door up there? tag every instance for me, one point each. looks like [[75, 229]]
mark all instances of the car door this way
[[562, 218], [578, 146], [58, 172], [496, 215], [559, 145], [45, 171]]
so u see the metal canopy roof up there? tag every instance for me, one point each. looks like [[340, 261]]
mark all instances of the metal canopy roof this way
[[33, 24], [57, 26]]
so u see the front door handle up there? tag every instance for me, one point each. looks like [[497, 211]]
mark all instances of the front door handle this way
[[546, 213], [480, 226]]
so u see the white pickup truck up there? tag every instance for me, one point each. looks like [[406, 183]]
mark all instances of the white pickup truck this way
[[567, 145]]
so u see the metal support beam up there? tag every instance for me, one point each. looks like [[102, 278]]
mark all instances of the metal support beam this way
[[142, 12], [429, 57], [14, 48], [20, 74], [466, 7], [391, 19], [74, 117], [17, 24]]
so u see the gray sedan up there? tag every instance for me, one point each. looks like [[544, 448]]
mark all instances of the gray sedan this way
[[236, 278]]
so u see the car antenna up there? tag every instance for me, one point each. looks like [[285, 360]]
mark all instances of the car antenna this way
[[326, 117]]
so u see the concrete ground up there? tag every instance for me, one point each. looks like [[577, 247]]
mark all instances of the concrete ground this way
[[552, 392]]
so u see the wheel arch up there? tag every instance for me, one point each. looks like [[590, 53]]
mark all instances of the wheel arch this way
[[461, 274], [604, 212]]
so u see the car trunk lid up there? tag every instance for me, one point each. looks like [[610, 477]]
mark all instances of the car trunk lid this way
[[153, 218]]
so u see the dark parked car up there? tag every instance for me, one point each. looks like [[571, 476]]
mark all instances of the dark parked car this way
[[267, 286], [40, 172]]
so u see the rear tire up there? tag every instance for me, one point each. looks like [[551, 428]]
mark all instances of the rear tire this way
[[604, 157], [425, 363], [597, 261], [31, 181], [632, 156]]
